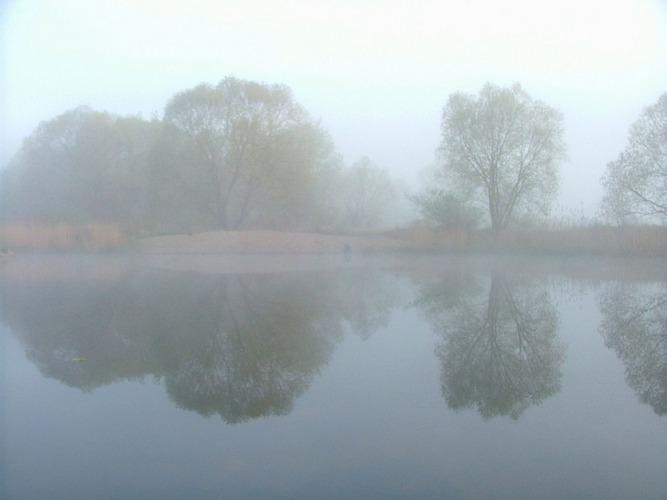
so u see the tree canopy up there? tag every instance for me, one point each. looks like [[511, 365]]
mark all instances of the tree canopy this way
[[235, 155], [247, 151], [502, 148], [636, 182], [445, 209], [82, 166]]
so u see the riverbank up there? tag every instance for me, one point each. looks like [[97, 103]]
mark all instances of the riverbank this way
[[265, 242], [593, 240]]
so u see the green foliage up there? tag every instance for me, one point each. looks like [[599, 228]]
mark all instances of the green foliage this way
[[248, 153], [446, 210], [503, 147], [83, 166], [235, 155]]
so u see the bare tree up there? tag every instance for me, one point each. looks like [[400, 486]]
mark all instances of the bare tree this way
[[503, 148], [636, 183], [367, 192]]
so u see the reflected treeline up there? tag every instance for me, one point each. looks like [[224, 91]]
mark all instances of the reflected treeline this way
[[634, 324], [241, 346], [499, 350]]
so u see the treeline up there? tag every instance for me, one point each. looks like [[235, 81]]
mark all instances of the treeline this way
[[232, 156], [499, 157], [247, 155]]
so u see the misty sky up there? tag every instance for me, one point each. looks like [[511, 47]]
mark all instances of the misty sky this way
[[376, 73]]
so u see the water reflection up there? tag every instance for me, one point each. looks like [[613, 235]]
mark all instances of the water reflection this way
[[634, 324], [238, 345], [498, 348], [241, 346]]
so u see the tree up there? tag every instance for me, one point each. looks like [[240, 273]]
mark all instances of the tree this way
[[636, 183], [366, 192], [83, 166], [246, 153], [446, 210], [503, 147]]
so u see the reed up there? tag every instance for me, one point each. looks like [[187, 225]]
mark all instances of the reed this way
[[593, 239], [423, 238], [62, 237]]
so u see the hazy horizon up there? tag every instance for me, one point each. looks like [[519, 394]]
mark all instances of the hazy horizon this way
[[376, 74]]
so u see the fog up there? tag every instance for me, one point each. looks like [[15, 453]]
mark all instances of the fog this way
[[376, 74], [379, 377], [213, 274]]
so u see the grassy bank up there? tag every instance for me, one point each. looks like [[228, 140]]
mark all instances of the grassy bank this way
[[645, 241], [62, 237]]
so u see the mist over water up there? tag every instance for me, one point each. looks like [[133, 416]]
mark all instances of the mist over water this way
[[327, 376], [368, 249]]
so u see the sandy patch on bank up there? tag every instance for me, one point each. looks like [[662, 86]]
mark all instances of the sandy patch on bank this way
[[263, 242]]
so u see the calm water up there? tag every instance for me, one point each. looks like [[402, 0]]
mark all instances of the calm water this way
[[310, 377]]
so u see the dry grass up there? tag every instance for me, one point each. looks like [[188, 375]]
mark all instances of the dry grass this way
[[648, 241], [263, 242], [61, 237], [645, 241], [429, 239]]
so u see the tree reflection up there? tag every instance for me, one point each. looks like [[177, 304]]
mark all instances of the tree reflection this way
[[498, 353], [634, 324], [241, 346], [266, 343]]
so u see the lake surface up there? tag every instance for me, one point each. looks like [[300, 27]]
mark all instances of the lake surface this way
[[332, 377]]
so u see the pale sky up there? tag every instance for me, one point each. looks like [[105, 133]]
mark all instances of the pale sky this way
[[375, 73]]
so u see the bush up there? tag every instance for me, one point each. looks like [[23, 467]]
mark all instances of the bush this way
[[446, 210]]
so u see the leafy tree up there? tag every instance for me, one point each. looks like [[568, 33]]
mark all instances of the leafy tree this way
[[83, 166], [636, 182], [503, 147], [245, 153], [446, 210], [235, 155]]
